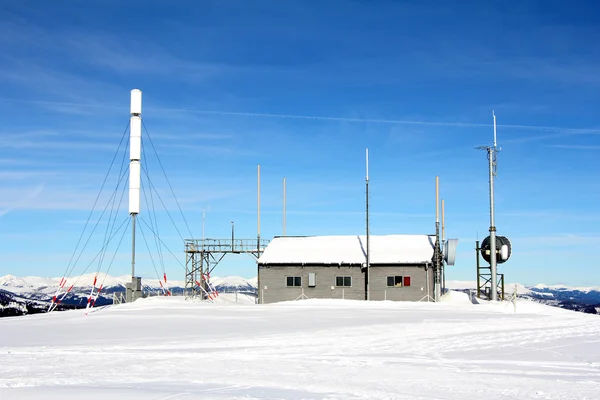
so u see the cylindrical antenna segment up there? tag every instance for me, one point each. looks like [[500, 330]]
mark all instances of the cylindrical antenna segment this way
[[134, 187], [258, 226], [136, 102], [443, 223], [135, 137], [284, 206], [437, 199]]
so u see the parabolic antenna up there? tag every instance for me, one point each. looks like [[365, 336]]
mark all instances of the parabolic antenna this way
[[449, 251], [503, 249]]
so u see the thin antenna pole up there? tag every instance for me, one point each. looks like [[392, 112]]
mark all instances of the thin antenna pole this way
[[494, 115], [203, 222], [368, 280], [260, 300], [437, 199], [367, 162], [437, 255], [232, 230], [258, 226], [443, 223], [443, 241], [284, 205]]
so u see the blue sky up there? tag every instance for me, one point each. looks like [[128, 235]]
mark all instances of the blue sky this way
[[229, 85]]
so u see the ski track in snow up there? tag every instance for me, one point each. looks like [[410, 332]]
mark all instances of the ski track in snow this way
[[166, 348]]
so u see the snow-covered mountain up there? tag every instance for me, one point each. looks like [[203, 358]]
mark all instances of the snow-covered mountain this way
[[32, 294], [584, 299]]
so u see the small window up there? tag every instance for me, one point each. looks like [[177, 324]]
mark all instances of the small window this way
[[312, 279], [406, 281], [396, 281], [344, 281], [294, 281]]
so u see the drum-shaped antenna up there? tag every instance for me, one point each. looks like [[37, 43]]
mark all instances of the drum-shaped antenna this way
[[503, 249]]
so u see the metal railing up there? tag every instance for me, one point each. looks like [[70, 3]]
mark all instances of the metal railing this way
[[226, 245]]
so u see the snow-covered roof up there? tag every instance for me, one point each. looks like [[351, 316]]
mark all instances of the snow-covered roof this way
[[387, 249]]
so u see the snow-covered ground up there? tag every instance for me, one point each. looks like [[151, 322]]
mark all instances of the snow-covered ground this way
[[169, 348]]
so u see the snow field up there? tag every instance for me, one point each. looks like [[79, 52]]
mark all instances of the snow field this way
[[169, 348]]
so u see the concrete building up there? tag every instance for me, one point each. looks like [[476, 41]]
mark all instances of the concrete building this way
[[333, 267]]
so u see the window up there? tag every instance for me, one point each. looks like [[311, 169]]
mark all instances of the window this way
[[344, 281], [294, 281], [312, 279], [398, 281]]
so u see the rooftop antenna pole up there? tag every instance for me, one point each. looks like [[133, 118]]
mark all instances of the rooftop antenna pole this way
[[436, 271], [203, 221], [284, 217], [260, 300], [258, 222], [494, 115], [443, 241], [367, 282], [135, 145]]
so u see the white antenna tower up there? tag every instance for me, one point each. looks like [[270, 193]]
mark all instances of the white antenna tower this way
[[135, 151]]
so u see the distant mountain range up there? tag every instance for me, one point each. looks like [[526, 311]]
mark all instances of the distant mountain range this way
[[31, 294], [582, 299]]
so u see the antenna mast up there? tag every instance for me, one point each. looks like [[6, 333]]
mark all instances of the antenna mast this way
[[135, 151], [492, 151], [367, 281], [437, 292], [284, 211]]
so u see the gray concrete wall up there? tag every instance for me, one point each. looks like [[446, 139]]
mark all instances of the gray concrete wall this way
[[273, 283]]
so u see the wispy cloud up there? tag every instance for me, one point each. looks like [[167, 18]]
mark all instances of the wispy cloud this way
[[561, 131], [55, 145], [211, 150], [558, 240], [575, 147], [107, 51], [554, 214], [192, 136], [23, 200], [564, 133], [134, 56]]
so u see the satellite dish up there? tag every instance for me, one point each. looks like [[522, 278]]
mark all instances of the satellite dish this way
[[503, 249], [449, 251]]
